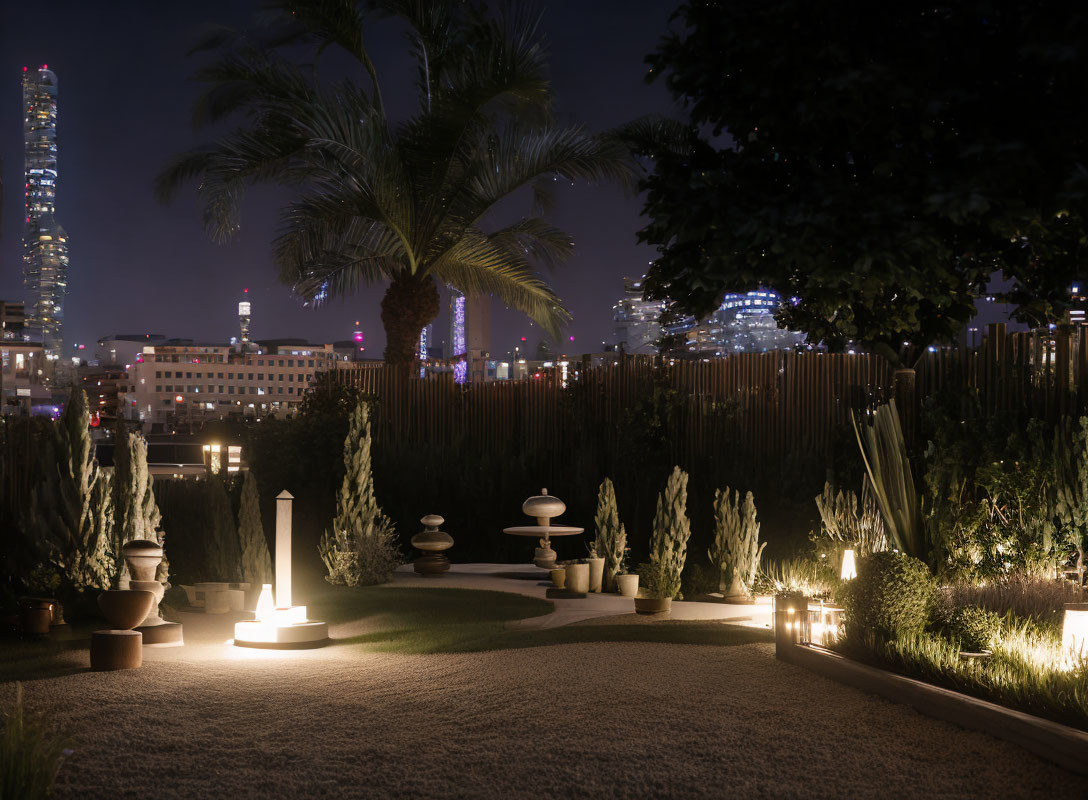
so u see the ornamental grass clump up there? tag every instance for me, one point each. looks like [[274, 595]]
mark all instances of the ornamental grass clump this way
[[361, 548], [891, 596], [736, 549], [30, 753], [814, 579], [669, 545], [611, 541]]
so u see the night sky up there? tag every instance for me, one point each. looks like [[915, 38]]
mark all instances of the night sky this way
[[124, 108]]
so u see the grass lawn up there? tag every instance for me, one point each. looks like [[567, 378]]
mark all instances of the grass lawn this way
[[409, 620]]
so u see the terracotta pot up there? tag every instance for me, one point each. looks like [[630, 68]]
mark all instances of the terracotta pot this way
[[124, 609], [558, 576], [627, 585], [596, 573], [653, 605]]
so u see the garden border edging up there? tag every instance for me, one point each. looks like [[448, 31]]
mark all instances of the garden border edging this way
[[1061, 744]]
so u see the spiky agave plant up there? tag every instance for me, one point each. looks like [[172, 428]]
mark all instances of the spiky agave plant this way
[[405, 201], [884, 451]]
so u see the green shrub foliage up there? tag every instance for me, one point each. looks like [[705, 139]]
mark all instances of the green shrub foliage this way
[[361, 548], [669, 545], [736, 549], [256, 560], [974, 628], [70, 515], [611, 538], [30, 754], [891, 596]]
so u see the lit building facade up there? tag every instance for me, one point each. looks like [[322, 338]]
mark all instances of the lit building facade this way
[[45, 244], [744, 323], [637, 321], [188, 384]]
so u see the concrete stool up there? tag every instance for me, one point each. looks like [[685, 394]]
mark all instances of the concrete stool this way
[[116, 650]]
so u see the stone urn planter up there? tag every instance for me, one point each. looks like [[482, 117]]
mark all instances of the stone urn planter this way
[[578, 578], [124, 609], [596, 572], [627, 585], [35, 615], [558, 576], [653, 605]]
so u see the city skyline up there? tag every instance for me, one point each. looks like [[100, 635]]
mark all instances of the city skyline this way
[[130, 246]]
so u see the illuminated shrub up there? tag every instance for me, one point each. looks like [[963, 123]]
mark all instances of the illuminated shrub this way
[[891, 596]]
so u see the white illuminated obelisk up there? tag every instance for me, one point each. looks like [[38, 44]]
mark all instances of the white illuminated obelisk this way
[[284, 626], [283, 549]]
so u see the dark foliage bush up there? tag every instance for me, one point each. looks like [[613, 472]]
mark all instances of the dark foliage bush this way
[[891, 596]]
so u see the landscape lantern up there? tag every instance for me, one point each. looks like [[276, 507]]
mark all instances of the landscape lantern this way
[[1075, 631]]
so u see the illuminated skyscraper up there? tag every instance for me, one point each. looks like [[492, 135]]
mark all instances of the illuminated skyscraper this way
[[45, 244], [244, 309]]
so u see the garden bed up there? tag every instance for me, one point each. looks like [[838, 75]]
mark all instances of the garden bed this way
[[1061, 744]]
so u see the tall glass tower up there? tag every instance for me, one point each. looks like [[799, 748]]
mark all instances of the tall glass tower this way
[[45, 244]]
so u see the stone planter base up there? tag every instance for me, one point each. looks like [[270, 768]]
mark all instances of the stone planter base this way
[[168, 634], [111, 650], [653, 605], [431, 564]]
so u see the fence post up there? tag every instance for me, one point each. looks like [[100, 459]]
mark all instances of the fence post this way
[[906, 401]]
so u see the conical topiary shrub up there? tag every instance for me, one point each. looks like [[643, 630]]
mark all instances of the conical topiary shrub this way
[[256, 560], [669, 543], [361, 548]]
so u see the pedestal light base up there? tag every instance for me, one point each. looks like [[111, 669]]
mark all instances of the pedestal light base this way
[[285, 629], [111, 650]]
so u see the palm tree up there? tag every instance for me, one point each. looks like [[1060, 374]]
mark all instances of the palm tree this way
[[408, 202]]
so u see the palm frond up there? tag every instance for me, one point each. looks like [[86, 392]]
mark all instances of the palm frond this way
[[536, 240]]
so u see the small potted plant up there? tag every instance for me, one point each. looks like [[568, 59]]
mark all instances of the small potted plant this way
[[596, 568], [626, 582]]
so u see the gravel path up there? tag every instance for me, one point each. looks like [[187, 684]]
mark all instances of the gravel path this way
[[590, 720]]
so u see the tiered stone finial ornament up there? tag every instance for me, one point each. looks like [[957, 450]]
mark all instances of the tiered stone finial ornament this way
[[432, 542], [143, 557], [543, 507]]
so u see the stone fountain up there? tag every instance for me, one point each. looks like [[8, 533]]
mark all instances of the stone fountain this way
[[143, 557], [543, 508]]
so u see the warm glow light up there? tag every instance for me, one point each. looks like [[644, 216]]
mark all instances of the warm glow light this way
[[1075, 631], [849, 565], [265, 604]]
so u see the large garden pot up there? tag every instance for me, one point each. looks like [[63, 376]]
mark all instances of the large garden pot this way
[[627, 585], [596, 573], [558, 576], [653, 605], [35, 615], [578, 578], [124, 609]]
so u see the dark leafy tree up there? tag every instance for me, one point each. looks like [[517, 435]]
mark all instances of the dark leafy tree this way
[[405, 201], [874, 163]]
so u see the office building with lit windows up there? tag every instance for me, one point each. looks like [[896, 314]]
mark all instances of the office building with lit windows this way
[[184, 383], [45, 244]]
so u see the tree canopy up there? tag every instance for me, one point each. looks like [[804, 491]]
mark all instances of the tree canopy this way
[[873, 163]]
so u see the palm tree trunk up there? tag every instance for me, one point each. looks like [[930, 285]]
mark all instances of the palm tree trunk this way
[[409, 304]]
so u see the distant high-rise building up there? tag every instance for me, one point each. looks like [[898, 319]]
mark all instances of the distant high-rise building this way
[[244, 309], [45, 244], [638, 325]]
